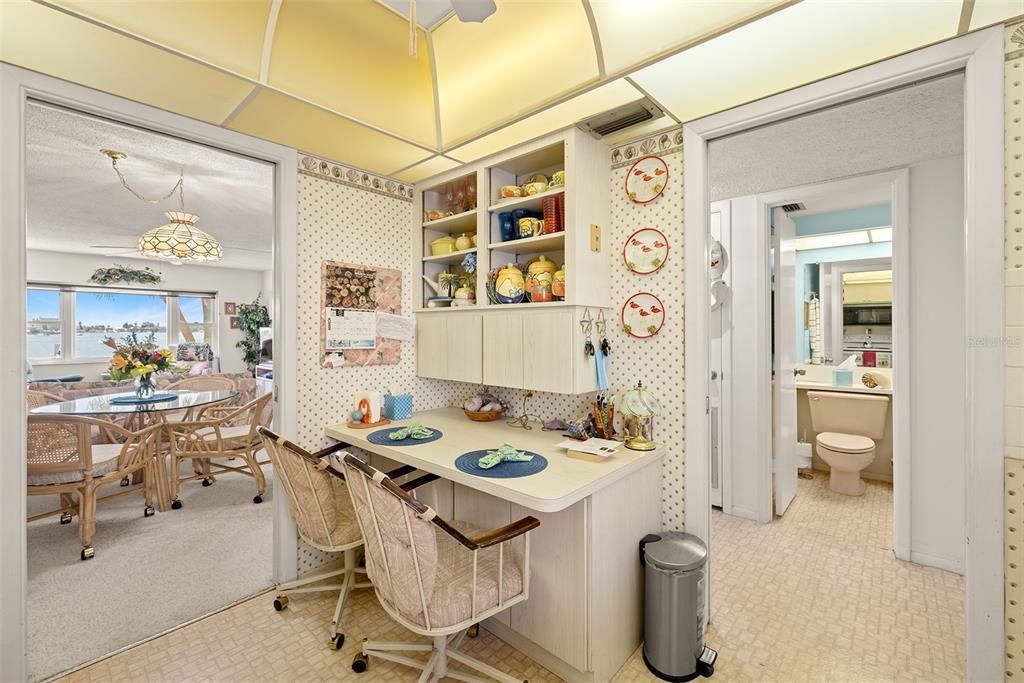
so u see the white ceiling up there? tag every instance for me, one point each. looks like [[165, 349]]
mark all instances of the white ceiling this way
[[75, 200], [891, 130]]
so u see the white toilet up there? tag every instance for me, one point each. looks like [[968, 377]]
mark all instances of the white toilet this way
[[847, 426]]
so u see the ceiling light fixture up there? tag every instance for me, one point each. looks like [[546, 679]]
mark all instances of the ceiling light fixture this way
[[179, 240]]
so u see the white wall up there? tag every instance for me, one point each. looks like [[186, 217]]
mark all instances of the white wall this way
[[238, 286], [937, 362]]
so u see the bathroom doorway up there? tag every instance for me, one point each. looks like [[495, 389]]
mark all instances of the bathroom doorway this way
[[812, 549]]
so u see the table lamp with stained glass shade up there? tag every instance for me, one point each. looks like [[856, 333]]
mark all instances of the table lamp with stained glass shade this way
[[638, 408]]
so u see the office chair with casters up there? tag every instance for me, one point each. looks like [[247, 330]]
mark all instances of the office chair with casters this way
[[323, 513], [434, 578]]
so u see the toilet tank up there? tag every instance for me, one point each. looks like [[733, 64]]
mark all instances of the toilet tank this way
[[861, 414]]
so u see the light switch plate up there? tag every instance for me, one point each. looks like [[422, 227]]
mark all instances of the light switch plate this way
[[595, 237]]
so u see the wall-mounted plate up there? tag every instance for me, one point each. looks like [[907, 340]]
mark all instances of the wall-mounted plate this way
[[646, 179], [645, 251], [642, 315]]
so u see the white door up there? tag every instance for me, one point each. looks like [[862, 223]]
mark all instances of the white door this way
[[784, 464], [718, 361]]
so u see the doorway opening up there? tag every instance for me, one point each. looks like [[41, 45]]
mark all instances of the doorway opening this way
[[975, 472], [142, 514]]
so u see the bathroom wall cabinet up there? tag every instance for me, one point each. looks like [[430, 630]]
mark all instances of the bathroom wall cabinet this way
[[539, 349]]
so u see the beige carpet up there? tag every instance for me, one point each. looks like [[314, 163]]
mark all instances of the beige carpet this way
[[149, 574]]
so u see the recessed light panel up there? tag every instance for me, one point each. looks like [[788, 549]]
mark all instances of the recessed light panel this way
[[834, 239]]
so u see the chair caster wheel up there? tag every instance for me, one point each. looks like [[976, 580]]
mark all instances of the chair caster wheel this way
[[125, 481], [257, 499], [176, 505], [280, 602], [148, 511], [473, 631], [360, 662], [208, 481], [65, 518], [337, 641], [88, 552]]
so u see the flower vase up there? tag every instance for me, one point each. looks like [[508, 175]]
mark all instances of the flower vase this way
[[144, 386]]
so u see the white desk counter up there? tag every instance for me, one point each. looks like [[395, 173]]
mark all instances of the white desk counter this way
[[584, 615], [563, 482]]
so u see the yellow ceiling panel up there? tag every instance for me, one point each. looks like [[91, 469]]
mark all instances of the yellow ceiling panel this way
[[634, 30], [607, 96], [988, 12], [524, 55], [228, 33], [426, 169], [288, 121], [353, 57], [803, 43], [54, 43]]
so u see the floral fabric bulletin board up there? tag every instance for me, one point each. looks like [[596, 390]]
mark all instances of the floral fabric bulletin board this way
[[351, 296]]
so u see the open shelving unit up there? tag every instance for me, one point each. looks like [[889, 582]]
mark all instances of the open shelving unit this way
[[577, 245]]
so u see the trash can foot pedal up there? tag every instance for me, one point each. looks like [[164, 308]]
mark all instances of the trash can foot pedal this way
[[706, 662]]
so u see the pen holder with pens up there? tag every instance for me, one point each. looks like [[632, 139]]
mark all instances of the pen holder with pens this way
[[398, 406]]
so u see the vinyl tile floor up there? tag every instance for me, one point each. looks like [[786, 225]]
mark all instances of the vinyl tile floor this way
[[816, 595]]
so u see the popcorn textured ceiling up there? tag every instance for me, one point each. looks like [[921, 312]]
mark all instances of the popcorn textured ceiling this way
[[336, 78]]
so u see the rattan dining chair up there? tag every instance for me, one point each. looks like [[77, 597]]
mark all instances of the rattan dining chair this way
[[200, 383], [434, 578], [221, 432], [323, 514], [62, 460]]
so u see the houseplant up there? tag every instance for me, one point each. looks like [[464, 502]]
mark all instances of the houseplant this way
[[140, 359], [251, 317]]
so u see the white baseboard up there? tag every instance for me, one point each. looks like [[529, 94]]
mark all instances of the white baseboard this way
[[955, 566]]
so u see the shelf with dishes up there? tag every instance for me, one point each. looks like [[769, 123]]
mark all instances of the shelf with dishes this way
[[453, 223], [542, 205]]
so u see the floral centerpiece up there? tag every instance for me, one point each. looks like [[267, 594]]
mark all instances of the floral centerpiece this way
[[140, 359]]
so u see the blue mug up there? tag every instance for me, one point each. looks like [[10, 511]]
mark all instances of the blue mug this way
[[507, 226]]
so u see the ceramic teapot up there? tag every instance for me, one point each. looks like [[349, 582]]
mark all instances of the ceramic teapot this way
[[509, 287], [558, 283]]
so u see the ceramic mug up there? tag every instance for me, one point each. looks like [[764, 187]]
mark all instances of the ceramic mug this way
[[509, 191], [534, 188], [557, 179], [529, 226]]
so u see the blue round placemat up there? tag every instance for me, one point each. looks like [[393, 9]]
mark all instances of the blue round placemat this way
[[130, 400], [503, 470], [380, 437]]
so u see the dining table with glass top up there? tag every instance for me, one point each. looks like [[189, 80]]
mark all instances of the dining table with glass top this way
[[139, 414]]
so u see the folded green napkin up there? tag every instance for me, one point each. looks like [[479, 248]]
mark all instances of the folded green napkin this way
[[415, 430], [504, 454]]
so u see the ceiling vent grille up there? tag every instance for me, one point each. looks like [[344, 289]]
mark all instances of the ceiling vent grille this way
[[790, 208], [623, 117]]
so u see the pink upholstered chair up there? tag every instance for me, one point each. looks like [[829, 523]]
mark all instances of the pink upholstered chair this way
[[434, 578]]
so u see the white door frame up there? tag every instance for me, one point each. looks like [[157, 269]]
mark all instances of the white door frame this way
[[16, 87], [980, 56]]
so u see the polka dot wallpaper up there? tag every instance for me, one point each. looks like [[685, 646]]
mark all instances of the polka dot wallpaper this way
[[362, 219], [657, 361], [1013, 132]]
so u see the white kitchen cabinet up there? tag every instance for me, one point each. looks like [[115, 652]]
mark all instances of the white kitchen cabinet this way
[[539, 349], [465, 347], [503, 344], [548, 345], [432, 347]]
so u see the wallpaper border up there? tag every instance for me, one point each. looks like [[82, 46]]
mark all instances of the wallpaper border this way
[[332, 171], [667, 142]]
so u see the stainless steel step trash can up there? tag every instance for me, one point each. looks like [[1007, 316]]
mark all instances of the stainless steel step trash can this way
[[675, 567]]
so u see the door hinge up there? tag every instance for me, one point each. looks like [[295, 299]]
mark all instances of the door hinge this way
[[707, 405], [275, 393]]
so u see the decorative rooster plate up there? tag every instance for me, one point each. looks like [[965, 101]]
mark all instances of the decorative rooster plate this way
[[646, 179], [642, 315], [645, 251]]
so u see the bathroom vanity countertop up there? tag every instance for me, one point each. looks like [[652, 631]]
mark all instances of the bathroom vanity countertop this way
[[856, 389]]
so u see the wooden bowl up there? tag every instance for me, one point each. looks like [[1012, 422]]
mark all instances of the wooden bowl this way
[[483, 417]]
